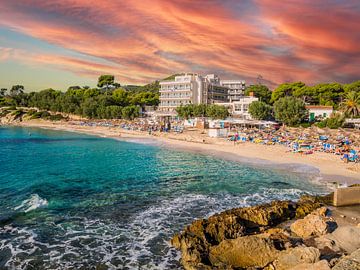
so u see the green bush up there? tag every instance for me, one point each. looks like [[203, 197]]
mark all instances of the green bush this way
[[18, 113], [334, 122], [31, 112], [305, 125], [56, 117], [41, 114]]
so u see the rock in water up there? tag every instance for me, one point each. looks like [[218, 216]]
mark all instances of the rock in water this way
[[351, 262], [197, 239], [247, 251], [295, 256]]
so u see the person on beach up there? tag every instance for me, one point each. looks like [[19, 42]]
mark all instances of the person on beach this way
[[345, 158]]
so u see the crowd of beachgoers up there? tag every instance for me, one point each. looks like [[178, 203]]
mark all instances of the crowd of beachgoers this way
[[305, 141], [341, 142], [143, 125]]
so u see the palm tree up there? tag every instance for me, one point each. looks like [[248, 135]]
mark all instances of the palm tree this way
[[351, 104]]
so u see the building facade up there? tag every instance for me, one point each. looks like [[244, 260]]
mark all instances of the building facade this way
[[240, 108], [319, 112], [236, 88], [183, 90], [192, 88]]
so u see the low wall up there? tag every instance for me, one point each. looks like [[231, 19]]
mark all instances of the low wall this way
[[347, 196]]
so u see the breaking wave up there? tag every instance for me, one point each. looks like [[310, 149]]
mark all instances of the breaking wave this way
[[142, 242], [34, 202]]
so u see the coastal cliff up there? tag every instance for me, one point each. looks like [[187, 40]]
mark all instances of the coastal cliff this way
[[280, 235]]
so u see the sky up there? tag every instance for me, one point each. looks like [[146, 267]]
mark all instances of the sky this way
[[59, 43]]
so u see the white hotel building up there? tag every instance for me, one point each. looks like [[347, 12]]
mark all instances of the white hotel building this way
[[196, 89], [191, 89]]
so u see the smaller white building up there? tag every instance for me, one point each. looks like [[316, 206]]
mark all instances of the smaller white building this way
[[240, 108], [319, 112]]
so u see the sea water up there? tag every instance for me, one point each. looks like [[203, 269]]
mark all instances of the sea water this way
[[73, 201]]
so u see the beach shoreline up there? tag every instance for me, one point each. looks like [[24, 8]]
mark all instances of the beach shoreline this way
[[328, 168]]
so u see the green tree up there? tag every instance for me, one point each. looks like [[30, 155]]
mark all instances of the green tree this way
[[145, 99], [3, 92], [200, 110], [354, 86], [260, 91], [285, 89], [91, 92], [351, 105], [105, 80], [186, 111], [290, 110], [260, 110], [89, 108], [217, 111], [121, 97], [328, 93], [75, 87], [130, 112], [16, 90]]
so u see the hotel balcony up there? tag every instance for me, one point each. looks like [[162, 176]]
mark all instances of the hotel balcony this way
[[176, 98], [175, 90]]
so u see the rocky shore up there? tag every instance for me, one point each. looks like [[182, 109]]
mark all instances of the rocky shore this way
[[280, 235]]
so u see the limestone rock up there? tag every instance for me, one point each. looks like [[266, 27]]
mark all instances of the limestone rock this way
[[247, 251], [320, 211], [311, 225], [307, 204], [320, 265], [346, 238], [295, 256], [351, 262], [198, 238]]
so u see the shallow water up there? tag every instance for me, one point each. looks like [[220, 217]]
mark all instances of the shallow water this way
[[73, 201]]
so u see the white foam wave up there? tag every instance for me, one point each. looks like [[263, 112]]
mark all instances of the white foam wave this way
[[141, 242], [34, 202]]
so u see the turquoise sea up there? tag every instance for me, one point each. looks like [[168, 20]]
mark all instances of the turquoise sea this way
[[73, 201]]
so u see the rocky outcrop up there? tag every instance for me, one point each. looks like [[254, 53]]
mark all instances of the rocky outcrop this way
[[314, 224], [351, 262], [239, 253], [202, 241], [295, 256]]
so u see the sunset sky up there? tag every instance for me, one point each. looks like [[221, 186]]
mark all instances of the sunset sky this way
[[58, 43]]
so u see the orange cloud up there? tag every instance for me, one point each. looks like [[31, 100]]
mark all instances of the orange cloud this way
[[143, 40]]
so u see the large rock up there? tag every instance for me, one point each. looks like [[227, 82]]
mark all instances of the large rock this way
[[195, 241], [314, 224], [351, 262], [346, 238], [320, 265], [306, 205], [296, 256], [247, 251]]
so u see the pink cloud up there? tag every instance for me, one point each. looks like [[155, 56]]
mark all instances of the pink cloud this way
[[143, 41]]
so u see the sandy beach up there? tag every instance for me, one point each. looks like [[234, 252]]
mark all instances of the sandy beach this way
[[329, 167]]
